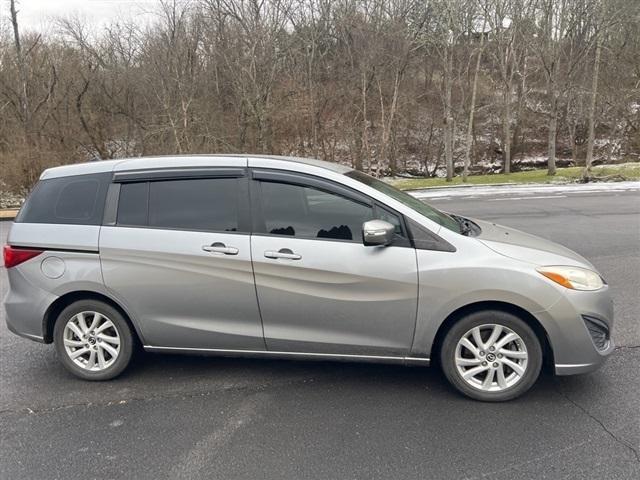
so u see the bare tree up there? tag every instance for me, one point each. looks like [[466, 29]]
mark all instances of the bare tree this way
[[474, 92], [592, 109], [389, 86], [509, 50], [606, 15], [22, 70], [562, 46], [442, 36]]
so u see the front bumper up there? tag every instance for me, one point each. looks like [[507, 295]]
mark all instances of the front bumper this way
[[574, 348], [578, 368]]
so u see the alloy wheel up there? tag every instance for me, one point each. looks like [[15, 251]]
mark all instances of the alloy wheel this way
[[91, 340], [491, 358]]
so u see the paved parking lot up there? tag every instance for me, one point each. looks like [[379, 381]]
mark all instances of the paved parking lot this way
[[189, 417]]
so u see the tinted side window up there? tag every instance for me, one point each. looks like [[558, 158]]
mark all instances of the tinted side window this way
[[311, 213], [75, 200], [194, 204], [133, 206]]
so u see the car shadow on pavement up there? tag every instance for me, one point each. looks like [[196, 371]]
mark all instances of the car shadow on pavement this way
[[44, 384]]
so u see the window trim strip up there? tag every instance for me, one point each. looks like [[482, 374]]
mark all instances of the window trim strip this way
[[154, 175], [303, 180]]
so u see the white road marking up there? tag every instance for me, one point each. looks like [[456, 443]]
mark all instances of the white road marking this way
[[549, 196], [524, 198], [599, 191]]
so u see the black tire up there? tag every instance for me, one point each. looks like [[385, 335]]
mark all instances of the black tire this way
[[123, 329], [517, 325]]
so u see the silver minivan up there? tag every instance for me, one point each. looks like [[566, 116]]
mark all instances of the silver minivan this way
[[292, 258]]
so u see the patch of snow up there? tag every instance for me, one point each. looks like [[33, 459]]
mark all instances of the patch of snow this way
[[10, 200], [482, 190], [532, 160]]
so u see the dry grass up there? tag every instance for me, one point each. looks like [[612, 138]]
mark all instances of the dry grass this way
[[626, 171]]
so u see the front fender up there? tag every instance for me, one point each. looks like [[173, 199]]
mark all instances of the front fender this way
[[445, 287]]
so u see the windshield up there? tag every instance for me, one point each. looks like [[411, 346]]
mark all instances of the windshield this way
[[406, 199]]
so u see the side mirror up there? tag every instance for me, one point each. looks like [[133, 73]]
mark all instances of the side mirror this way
[[377, 232]]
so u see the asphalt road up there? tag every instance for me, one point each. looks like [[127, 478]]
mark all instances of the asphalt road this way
[[172, 417]]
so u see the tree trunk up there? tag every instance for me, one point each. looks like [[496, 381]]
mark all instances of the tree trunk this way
[[448, 117], [22, 72], [592, 112], [506, 130], [357, 158], [312, 100], [472, 110], [365, 126], [553, 127], [517, 130], [552, 89], [387, 123], [574, 146]]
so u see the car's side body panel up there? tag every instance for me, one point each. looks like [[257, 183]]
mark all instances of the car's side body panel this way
[[450, 281], [25, 303], [338, 298], [181, 295], [335, 296], [69, 263], [170, 267], [56, 237]]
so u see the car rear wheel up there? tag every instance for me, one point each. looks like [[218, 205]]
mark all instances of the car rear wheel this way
[[93, 340], [491, 356]]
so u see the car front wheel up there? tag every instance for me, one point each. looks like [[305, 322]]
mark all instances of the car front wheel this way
[[491, 356]]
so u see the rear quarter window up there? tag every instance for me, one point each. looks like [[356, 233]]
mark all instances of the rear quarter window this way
[[207, 204], [73, 200]]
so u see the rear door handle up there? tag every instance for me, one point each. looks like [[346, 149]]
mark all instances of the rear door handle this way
[[282, 253], [221, 248]]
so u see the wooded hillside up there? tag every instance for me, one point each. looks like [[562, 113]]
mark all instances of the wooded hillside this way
[[387, 86]]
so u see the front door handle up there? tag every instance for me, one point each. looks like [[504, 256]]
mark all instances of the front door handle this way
[[221, 248], [282, 253]]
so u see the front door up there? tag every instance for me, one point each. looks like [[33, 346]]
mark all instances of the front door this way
[[320, 290], [179, 259]]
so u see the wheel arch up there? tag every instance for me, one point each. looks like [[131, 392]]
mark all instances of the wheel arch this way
[[67, 299], [523, 314]]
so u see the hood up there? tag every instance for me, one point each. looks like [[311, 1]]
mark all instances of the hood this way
[[529, 248]]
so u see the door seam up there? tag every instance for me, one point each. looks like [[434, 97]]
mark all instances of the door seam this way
[[415, 323], [255, 289]]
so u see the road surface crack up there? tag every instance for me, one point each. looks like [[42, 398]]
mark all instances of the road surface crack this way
[[150, 398], [203, 452], [615, 437], [626, 347]]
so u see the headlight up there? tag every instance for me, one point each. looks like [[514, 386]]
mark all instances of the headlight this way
[[575, 278]]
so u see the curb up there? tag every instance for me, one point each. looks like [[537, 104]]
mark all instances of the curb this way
[[8, 214]]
